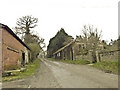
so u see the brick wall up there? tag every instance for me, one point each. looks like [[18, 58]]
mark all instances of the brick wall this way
[[11, 51]]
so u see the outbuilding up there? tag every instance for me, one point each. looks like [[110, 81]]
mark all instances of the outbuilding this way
[[15, 53]]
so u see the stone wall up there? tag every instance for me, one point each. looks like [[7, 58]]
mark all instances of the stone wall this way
[[82, 57], [109, 56], [102, 56], [87, 56], [75, 51]]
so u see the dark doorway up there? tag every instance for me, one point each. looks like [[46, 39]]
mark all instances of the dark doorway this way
[[94, 60], [23, 58], [72, 53]]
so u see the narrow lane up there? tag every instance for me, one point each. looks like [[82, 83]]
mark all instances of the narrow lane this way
[[43, 78], [52, 74], [0, 85], [81, 76]]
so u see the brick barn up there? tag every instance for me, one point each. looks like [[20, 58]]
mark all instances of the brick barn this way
[[15, 53]]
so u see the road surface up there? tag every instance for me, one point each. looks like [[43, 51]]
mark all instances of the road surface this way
[[0, 85], [52, 74]]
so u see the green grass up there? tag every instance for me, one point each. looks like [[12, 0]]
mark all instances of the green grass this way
[[51, 59], [76, 61], [106, 66], [31, 69], [71, 61]]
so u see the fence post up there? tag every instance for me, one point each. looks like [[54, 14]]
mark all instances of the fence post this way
[[90, 56], [97, 56]]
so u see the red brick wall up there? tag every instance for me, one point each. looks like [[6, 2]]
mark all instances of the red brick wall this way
[[10, 58]]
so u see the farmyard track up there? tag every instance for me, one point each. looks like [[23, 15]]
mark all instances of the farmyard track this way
[[52, 74]]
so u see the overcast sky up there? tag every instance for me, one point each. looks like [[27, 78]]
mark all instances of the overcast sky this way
[[68, 14]]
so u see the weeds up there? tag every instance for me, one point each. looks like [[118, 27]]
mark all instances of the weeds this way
[[110, 67], [31, 69]]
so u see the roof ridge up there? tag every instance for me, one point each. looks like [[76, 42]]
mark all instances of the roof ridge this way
[[13, 34]]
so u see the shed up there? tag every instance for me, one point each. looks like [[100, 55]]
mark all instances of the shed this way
[[15, 53]]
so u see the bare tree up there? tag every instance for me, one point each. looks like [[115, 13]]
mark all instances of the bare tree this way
[[26, 23], [24, 26], [89, 31], [91, 37]]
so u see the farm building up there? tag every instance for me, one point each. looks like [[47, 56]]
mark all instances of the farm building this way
[[76, 50], [15, 53], [79, 50]]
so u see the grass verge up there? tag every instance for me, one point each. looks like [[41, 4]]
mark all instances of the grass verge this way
[[108, 67], [31, 69], [76, 61], [51, 59], [72, 61]]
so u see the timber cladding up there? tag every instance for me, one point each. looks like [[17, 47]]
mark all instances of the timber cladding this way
[[12, 50]]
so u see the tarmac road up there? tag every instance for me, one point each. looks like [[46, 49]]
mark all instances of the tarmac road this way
[[0, 85], [52, 74]]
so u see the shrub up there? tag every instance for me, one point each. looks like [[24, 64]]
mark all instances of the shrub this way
[[35, 49]]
